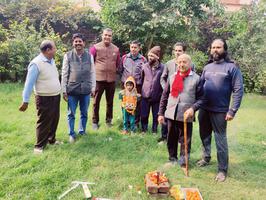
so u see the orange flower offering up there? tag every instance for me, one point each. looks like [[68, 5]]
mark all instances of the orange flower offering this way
[[157, 177], [156, 183], [193, 195]]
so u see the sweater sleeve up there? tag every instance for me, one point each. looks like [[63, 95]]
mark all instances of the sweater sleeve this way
[[200, 98], [138, 73], [164, 100], [121, 65], [31, 79], [237, 90], [164, 77], [93, 76], [93, 52], [65, 71]]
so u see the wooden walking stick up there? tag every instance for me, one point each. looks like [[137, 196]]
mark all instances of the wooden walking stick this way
[[185, 141]]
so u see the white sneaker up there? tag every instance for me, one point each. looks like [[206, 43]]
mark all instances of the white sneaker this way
[[72, 139], [37, 150]]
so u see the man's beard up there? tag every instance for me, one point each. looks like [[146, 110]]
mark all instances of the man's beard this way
[[151, 62], [216, 56]]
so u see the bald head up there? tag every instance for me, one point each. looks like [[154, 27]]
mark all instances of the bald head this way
[[184, 56], [46, 44], [48, 48]]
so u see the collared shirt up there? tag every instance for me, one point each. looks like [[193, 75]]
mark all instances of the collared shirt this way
[[139, 56], [32, 77]]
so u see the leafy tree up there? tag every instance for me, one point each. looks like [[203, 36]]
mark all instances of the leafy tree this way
[[154, 21], [249, 46], [63, 15], [245, 33], [22, 45]]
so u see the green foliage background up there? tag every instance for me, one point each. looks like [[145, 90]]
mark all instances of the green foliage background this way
[[24, 23]]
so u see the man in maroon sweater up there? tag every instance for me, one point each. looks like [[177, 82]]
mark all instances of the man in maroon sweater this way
[[107, 57]]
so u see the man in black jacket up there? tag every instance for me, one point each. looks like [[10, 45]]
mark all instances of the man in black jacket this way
[[222, 79]]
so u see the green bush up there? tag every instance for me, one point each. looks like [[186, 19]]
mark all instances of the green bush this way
[[245, 33], [200, 59], [248, 46], [21, 46]]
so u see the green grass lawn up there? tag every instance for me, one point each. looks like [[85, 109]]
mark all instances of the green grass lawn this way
[[114, 161]]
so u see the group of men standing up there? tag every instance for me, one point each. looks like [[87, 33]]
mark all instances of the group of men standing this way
[[172, 91]]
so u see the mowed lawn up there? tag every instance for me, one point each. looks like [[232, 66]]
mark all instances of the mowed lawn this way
[[117, 163]]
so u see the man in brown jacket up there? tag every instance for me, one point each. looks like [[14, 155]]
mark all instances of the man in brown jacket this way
[[107, 58]]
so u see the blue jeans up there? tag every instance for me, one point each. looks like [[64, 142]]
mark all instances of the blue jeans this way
[[84, 101]]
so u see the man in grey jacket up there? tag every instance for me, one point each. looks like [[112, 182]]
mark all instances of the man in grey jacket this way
[[169, 69], [78, 83], [183, 91], [171, 66]]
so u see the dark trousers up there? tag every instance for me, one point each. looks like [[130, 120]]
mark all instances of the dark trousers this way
[[48, 113], [109, 89], [137, 112], [175, 134], [213, 121], [146, 105], [164, 129]]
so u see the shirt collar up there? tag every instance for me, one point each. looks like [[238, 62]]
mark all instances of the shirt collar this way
[[135, 58], [43, 58]]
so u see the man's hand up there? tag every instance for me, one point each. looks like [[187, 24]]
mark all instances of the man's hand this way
[[228, 117], [93, 93], [65, 96], [23, 106], [160, 119], [189, 113]]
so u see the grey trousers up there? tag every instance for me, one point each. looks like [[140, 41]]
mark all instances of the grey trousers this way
[[214, 121]]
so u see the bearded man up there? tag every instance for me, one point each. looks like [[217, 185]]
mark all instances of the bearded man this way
[[223, 79]]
